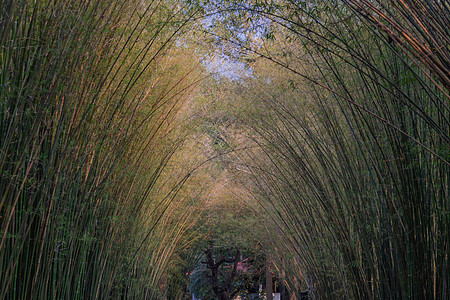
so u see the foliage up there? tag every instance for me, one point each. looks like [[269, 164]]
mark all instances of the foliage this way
[[88, 102], [349, 133], [328, 151]]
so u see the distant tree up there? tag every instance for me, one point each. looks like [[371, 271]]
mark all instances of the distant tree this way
[[222, 287]]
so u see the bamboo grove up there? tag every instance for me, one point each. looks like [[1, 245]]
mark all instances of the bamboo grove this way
[[338, 137], [90, 93]]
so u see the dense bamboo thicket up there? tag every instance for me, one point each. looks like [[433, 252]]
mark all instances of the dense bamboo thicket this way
[[353, 161], [320, 145], [90, 95]]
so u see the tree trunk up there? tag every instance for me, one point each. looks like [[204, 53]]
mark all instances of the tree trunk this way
[[223, 296], [223, 290], [269, 287], [283, 285]]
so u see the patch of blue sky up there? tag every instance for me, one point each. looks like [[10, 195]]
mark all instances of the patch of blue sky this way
[[225, 66], [226, 60], [208, 21]]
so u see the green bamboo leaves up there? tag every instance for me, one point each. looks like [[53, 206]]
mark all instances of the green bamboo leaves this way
[[352, 166], [86, 106]]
